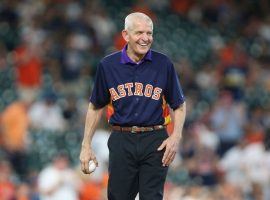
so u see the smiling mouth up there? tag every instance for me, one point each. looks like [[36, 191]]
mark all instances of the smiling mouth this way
[[143, 45]]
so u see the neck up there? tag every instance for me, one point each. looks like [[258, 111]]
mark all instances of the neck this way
[[134, 57]]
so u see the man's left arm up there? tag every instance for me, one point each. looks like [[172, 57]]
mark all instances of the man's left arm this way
[[171, 144]]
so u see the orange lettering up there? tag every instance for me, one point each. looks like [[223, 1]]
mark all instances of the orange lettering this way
[[129, 86], [114, 94], [121, 90], [148, 90], [138, 89], [157, 92]]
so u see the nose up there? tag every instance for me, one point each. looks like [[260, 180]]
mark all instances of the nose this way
[[145, 37]]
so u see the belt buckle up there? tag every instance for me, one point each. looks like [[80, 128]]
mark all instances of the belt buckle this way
[[134, 129], [160, 127]]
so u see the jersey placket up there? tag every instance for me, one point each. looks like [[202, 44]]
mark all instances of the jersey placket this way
[[135, 79]]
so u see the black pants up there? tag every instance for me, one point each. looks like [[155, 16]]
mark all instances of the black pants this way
[[135, 165]]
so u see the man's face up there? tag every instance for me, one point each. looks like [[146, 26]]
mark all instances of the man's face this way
[[139, 38]]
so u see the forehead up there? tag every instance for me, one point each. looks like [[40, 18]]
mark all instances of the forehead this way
[[141, 24]]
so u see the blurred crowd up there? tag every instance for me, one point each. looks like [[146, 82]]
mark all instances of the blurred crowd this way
[[49, 50]]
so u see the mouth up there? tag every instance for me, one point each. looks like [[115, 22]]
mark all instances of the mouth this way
[[143, 45]]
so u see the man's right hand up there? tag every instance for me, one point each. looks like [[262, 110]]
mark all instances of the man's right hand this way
[[86, 155]]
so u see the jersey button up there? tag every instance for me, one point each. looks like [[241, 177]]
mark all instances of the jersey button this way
[[136, 114], [137, 99]]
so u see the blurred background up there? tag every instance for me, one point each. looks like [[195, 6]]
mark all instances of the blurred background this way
[[49, 50]]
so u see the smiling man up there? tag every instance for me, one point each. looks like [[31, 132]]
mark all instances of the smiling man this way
[[138, 33], [138, 85]]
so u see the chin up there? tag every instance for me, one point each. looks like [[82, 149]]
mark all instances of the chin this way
[[142, 51]]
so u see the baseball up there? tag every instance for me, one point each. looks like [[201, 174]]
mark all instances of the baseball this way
[[92, 166]]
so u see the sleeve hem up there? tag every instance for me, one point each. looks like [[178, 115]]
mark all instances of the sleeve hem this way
[[97, 105], [175, 105]]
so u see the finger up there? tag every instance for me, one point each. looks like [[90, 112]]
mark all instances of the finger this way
[[85, 167], [170, 159], [95, 161], [165, 156], [162, 146]]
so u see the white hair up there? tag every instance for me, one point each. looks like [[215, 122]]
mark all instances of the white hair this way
[[129, 20]]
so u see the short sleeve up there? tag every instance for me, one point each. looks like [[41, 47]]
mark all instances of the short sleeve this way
[[173, 93], [100, 96]]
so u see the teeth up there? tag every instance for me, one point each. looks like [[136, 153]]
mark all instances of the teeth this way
[[143, 44]]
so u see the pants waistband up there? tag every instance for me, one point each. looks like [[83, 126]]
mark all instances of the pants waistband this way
[[138, 129]]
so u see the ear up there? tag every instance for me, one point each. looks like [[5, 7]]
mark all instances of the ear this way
[[125, 35]]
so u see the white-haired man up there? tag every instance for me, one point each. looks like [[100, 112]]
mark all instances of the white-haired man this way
[[137, 84]]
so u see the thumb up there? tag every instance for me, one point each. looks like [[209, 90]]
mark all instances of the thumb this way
[[161, 146]]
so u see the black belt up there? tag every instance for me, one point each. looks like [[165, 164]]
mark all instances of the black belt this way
[[137, 129]]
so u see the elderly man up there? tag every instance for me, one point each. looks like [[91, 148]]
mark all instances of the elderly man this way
[[137, 84]]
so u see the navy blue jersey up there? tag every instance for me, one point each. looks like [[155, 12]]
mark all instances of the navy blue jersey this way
[[137, 94]]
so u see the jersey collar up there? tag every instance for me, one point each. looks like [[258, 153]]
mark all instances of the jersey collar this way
[[126, 60]]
